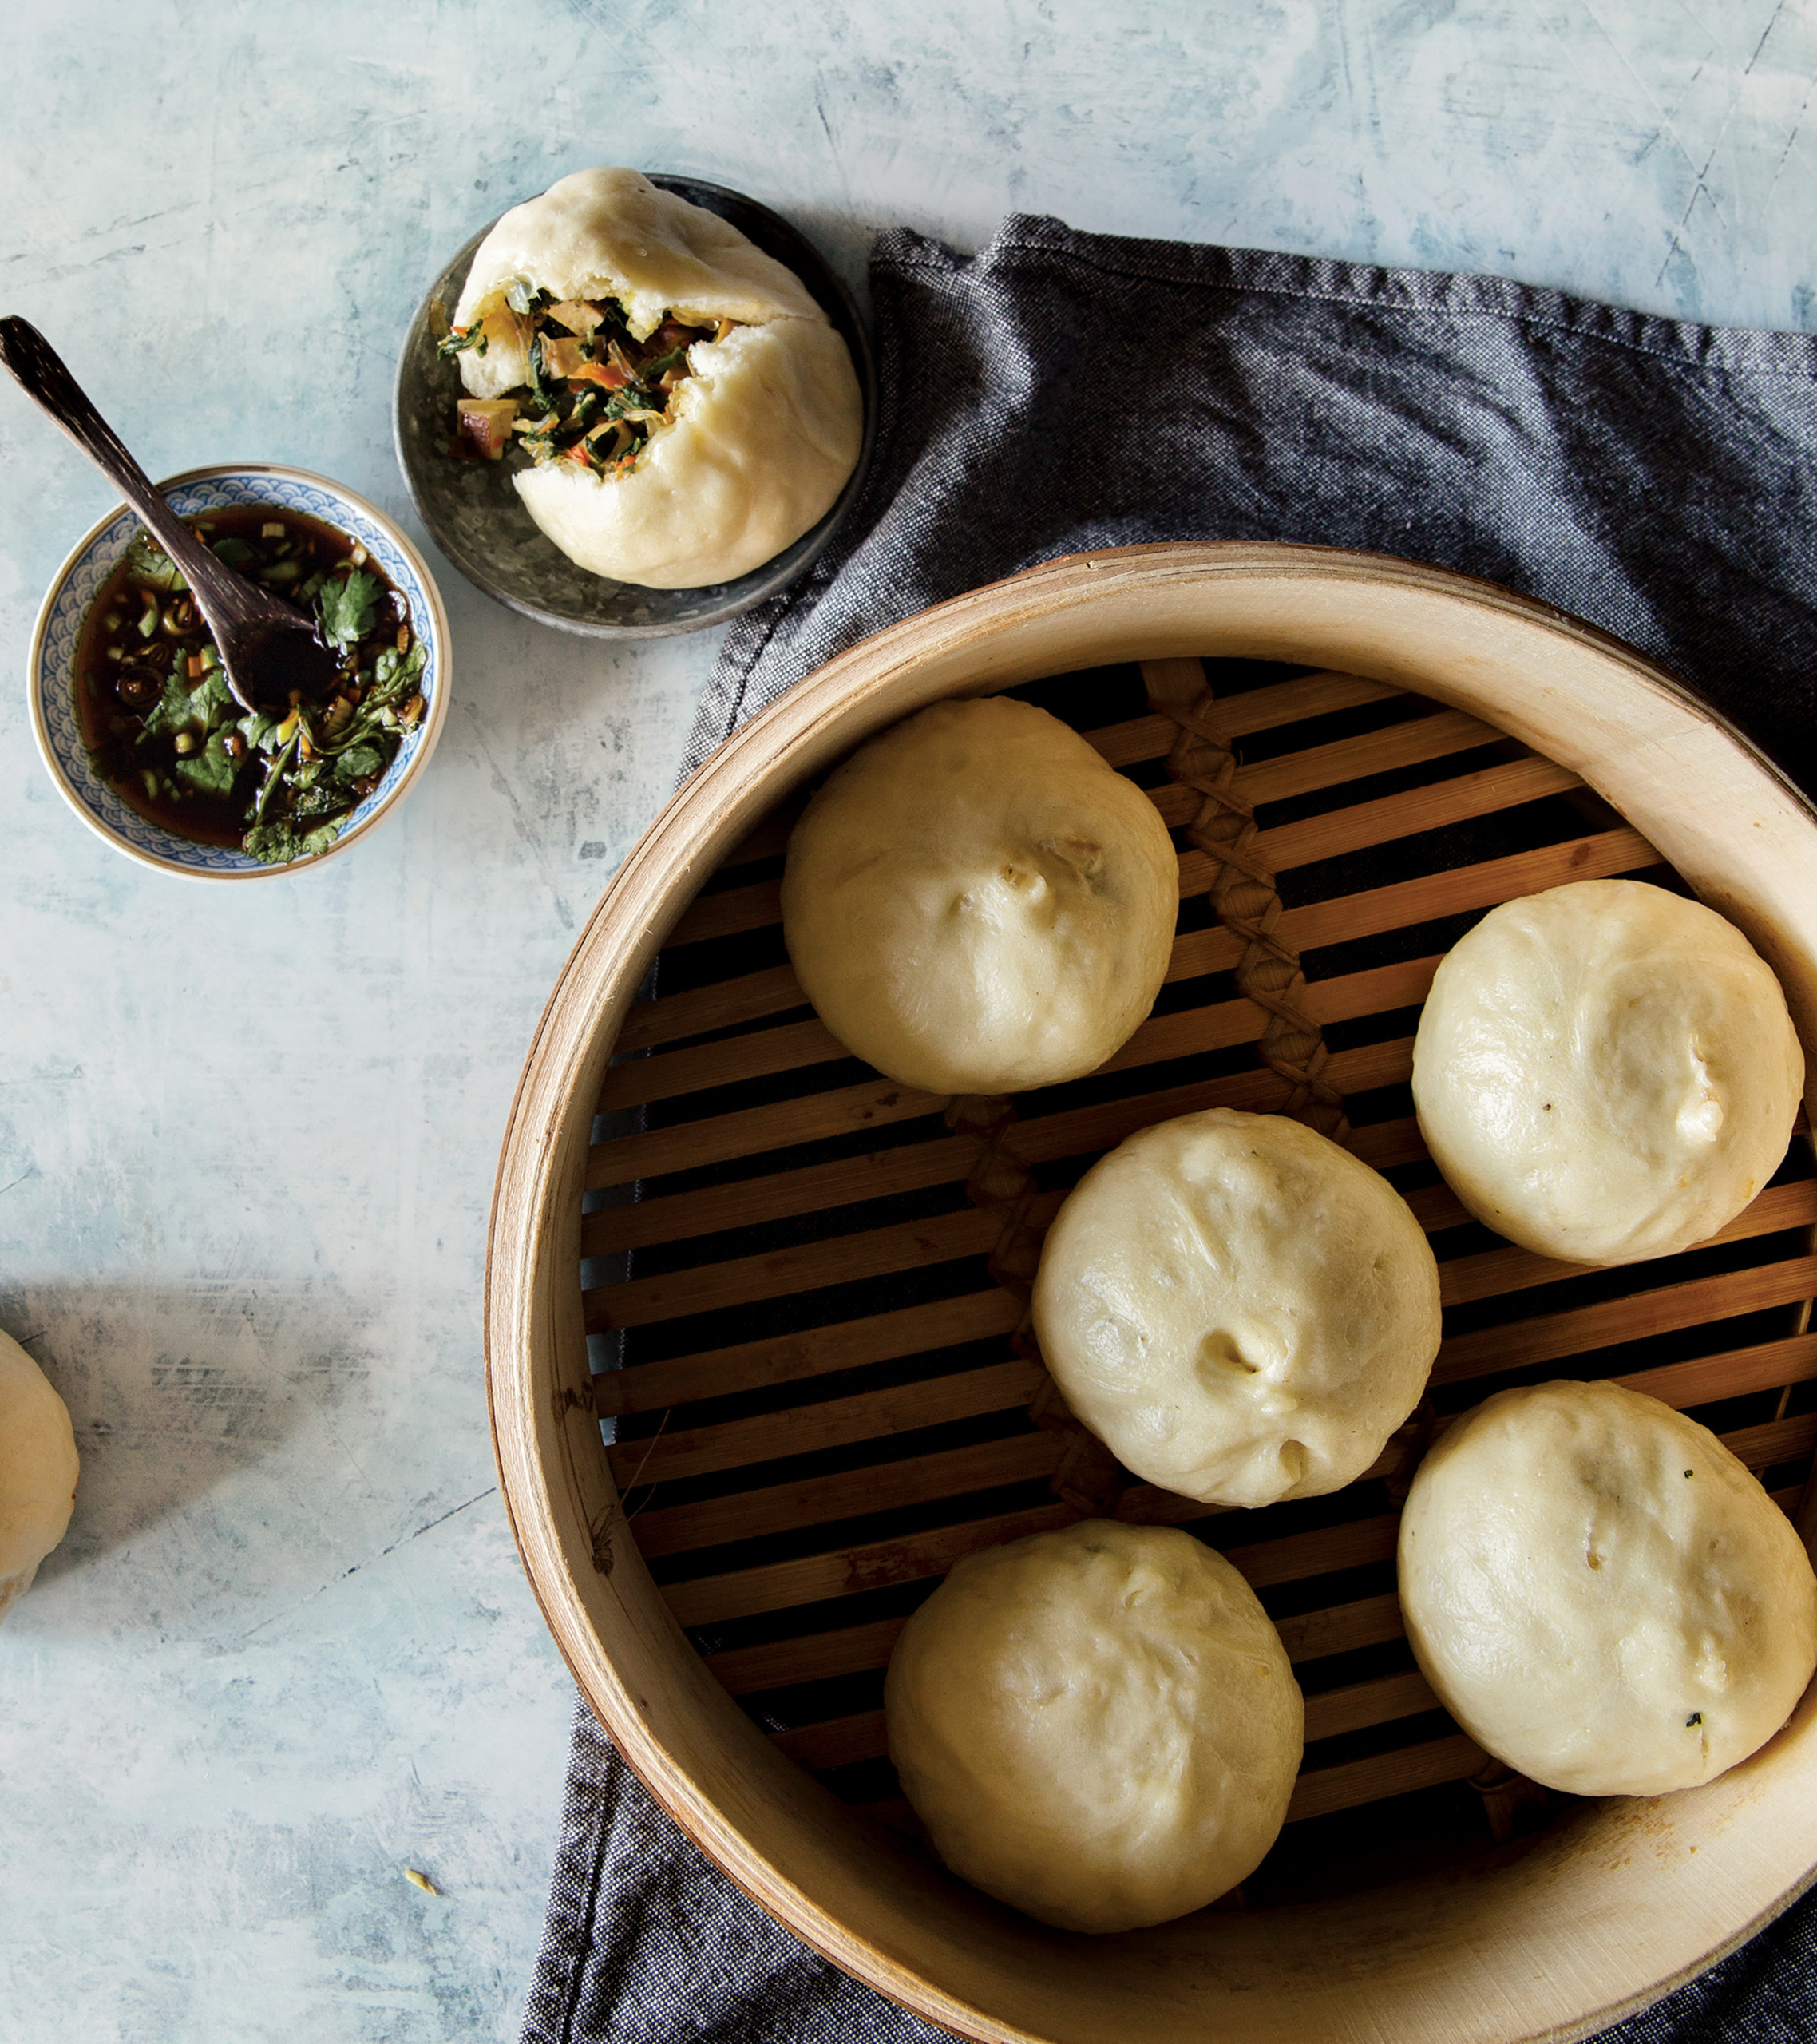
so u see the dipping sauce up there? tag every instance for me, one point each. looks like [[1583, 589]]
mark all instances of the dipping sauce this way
[[165, 733]]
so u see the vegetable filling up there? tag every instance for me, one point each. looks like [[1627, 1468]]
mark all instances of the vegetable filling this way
[[594, 396], [164, 733]]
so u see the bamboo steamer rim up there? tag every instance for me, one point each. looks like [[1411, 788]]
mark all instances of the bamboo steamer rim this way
[[1562, 1937]]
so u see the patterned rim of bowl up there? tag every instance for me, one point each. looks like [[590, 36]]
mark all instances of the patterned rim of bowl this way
[[73, 588]]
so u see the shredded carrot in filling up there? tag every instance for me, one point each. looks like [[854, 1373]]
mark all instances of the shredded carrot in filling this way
[[595, 395]]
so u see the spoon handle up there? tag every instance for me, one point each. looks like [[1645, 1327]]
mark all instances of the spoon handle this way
[[39, 371]]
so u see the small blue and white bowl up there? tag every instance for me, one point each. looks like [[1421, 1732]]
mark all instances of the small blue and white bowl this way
[[77, 582]]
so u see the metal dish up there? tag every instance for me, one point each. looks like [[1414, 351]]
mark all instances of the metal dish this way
[[479, 521]]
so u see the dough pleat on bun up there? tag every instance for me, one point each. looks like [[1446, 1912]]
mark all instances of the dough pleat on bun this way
[[1239, 1310]]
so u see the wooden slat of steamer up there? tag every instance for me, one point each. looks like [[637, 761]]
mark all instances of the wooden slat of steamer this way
[[1421, 738], [1001, 1387], [1379, 821], [1455, 891], [832, 1423], [752, 1130], [949, 1235], [753, 996], [838, 1741], [832, 1260], [879, 1102], [1220, 1025], [1549, 1338], [1137, 738], [1498, 1272], [1453, 1758], [879, 1564], [1432, 736], [812, 1352], [1238, 716], [715, 1006], [855, 1649], [852, 1494]]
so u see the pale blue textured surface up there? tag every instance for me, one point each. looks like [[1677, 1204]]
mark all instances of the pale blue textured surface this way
[[247, 1142]]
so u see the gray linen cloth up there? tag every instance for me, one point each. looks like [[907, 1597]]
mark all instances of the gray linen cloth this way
[[1059, 391]]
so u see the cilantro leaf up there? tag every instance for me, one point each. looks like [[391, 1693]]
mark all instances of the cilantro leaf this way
[[324, 801], [175, 713], [277, 844], [355, 761], [148, 566], [347, 608], [210, 771], [212, 701], [259, 730]]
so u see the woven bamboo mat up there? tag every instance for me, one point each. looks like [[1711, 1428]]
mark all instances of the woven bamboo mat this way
[[806, 1286]]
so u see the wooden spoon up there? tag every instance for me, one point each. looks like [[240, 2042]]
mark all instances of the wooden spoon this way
[[269, 650]]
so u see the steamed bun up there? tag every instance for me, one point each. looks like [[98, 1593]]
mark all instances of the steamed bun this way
[[1099, 1727], [1239, 1309], [37, 1470], [759, 438], [1599, 1593], [975, 903], [1606, 1071]]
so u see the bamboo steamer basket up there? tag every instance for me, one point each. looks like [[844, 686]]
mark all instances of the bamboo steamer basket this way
[[686, 1192]]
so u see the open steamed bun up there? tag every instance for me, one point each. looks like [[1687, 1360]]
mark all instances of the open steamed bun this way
[[759, 438]]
